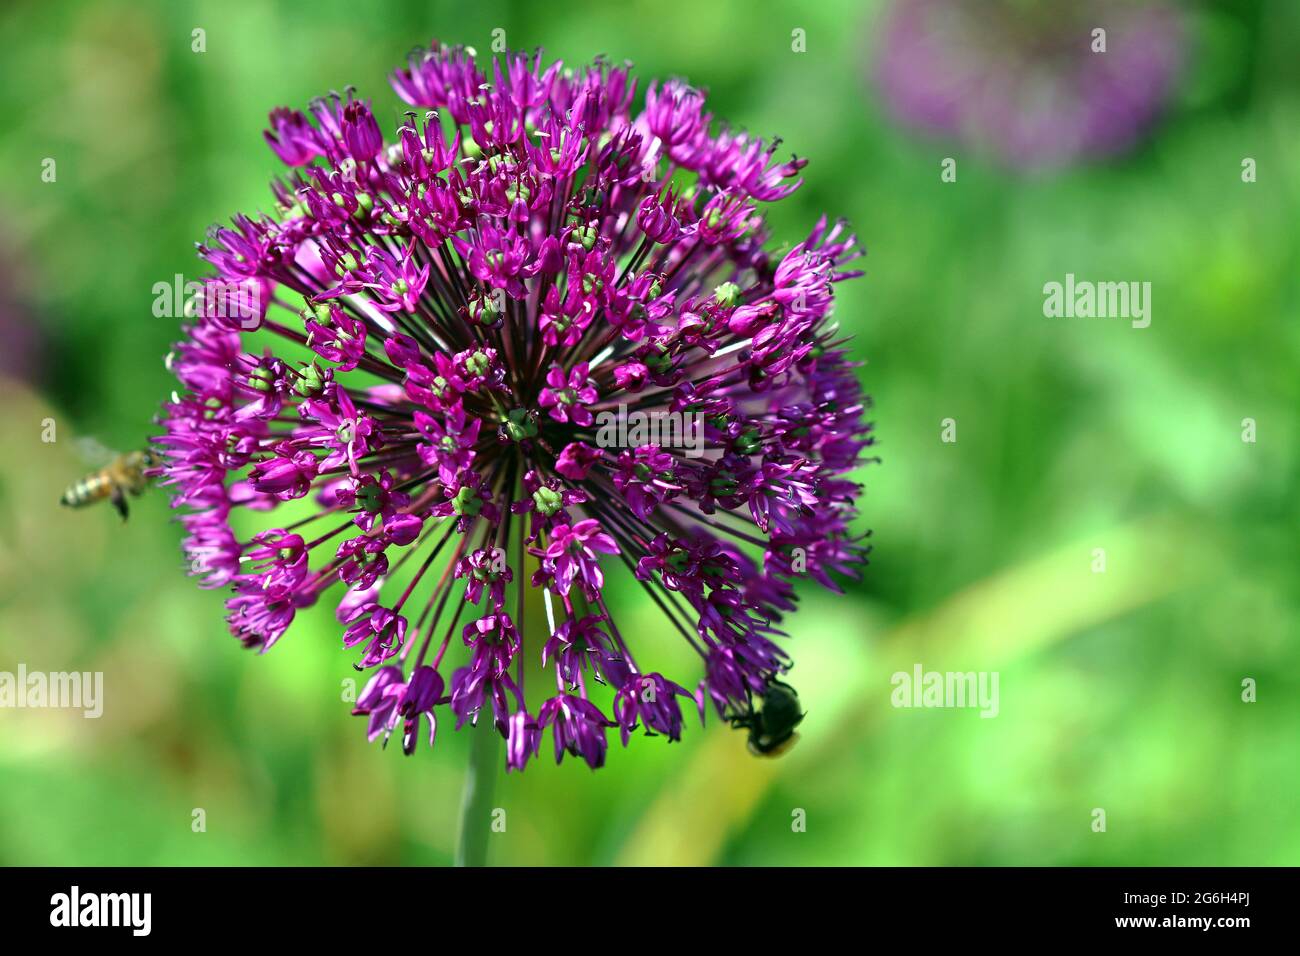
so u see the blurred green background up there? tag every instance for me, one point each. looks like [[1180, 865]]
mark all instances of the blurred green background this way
[[1119, 691]]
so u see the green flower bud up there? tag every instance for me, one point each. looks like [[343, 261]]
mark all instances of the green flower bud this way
[[727, 294], [467, 503], [518, 426], [310, 380], [748, 441], [547, 500], [586, 235], [368, 497]]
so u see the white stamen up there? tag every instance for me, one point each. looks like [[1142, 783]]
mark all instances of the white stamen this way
[[732, 348], [604, 354], [550, 613]]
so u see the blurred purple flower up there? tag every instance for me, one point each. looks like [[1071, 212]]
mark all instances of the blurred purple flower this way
[[24, 343], [1022, 82]]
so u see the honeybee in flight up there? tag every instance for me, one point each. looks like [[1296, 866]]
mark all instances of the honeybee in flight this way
[[124, 474]]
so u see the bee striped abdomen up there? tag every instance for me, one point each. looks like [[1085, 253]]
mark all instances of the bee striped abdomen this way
[[88, 490]]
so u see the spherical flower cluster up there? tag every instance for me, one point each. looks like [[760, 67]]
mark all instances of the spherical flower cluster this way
[[404, 415]]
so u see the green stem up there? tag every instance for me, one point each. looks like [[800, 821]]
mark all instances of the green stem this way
[[476, 802]]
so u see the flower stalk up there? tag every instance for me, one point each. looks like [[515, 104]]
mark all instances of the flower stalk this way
[[476, 810]]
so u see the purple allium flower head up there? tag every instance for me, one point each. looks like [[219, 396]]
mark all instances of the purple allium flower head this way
[[1022, 80], [453, 323]]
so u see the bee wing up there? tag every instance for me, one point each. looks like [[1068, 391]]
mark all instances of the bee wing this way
[[93, 452]]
